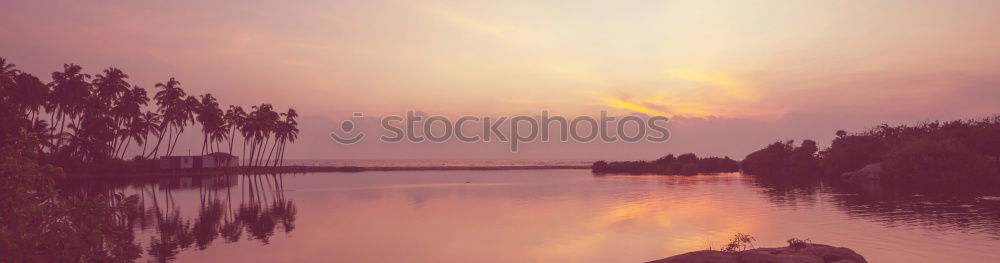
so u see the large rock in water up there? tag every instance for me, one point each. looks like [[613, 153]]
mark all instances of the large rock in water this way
[[814, 253], [870, 172]]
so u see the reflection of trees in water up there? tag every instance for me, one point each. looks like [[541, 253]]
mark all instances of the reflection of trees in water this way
[[871, 202], [788, 192], [963, 214], [257, 207], [891, 207]]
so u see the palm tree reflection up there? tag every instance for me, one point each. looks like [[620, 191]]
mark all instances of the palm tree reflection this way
[[228, 206]]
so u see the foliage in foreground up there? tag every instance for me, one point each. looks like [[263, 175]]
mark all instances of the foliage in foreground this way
[[739, 243], [39, 225]]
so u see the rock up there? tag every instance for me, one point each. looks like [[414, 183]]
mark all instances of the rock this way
[[814, 253], [870, 172]]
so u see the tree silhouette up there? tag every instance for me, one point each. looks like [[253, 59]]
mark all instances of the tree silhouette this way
[[94, 120], [211, 118], [69, 90], [685, 164], [235, 119], [285, 131], [28, 94]]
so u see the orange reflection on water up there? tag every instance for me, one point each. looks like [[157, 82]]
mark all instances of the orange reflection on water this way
[[561, 216]]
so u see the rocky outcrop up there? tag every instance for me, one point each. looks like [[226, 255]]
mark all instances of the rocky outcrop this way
[[813, 253], [870, 172]]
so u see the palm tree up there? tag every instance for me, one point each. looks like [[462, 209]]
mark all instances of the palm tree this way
[[93, 132], [218, 135], [235, 118], [110, 85], [159, 131], [176, 110], [29, 93], [211, 119], [286, 131], [69, 91], [105, 116], [137, 130], [165, 101], [7, 73], [186, 115], [249, 131], [152, 122], [259, 125], [128, 109]]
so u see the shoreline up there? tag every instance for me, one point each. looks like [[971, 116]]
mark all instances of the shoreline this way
[[313, 169], [802, 252]]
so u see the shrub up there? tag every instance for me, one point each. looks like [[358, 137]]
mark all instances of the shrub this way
[[739, 243], [687, 164], [797, 244], [850, 153], [783, 159], [937, 164]]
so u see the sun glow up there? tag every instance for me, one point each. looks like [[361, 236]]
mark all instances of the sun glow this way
[[689, 93]]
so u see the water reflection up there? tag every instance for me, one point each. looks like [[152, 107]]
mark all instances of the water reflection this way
[[227, 207], [545, 215], [890, 207]]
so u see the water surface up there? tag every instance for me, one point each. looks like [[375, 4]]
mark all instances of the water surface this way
[[537, 216]]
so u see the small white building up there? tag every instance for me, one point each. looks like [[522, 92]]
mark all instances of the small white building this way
[[212, 160]]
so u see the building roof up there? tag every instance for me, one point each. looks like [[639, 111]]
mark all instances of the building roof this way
[[215, 154], [220, 154]]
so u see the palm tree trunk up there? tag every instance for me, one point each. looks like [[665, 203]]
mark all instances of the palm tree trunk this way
[[115, 143], [232, 137], [277, 153], [170, 137], [125, 148], [176, 139], [263, 150], [281, 148], [53, 120], [62, 121], [281, 153], [253, 145], [145, 142], [282, 163], [244, 151], [204, 142], [272, 152], [156, 150]]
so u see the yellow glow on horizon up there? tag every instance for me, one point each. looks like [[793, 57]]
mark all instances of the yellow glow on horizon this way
[[617, 103], [726, 85], [692, 93]]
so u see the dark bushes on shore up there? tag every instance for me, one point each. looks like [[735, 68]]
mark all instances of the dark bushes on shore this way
[[687, 164], [961, 154], [931, 164], [783, 159]]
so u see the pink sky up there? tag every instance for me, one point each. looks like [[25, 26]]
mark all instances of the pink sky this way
[[735, 74]]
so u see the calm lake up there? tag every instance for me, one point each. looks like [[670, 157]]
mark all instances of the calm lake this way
[[535, 216]]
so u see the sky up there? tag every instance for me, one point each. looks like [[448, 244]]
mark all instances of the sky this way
[[732, 75]]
